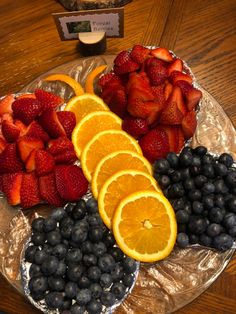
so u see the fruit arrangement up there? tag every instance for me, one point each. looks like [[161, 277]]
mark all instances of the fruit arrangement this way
[[151, 90]]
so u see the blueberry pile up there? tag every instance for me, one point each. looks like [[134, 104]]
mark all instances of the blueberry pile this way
[[202, 191], [75, 265]]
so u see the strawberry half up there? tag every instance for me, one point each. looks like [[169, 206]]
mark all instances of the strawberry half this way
[[26, 144], [26, 109], [51, 124], [11, 185], [139, 54], [44, 162], [47, 99], [6, 103], [10, 131], [108, 79], [70, 182], [3, 144], [157, 73], [36, 131], [21, 126], [162, 53], [48, 190], [30, 161], [118, 102], [29, 192], [135, 126], [59, 146], [68, 121], [172, 134], [191, 94], [176, 65], [9, 160], [180, 76], [66, 157], [189, 124], [138, 80], [121, 58]]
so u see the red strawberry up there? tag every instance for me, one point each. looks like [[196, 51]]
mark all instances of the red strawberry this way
[[10, 131], [189, 124], [180, 76], [70, 182], [127, 67], [1, 185], [26, 96], [59, 145], [29, 192], [175, 108], [191, 94], [36, 131], [5, 104], [11, 185], [44, 162], [172, 134], [7, 117], [162, 53], [109, 78], [3, 144], [9, 160], [168, 90], [26, 144], [26, 109], [157, 73], [181, 140], [158, 91], [68, 121], [66, 157], [47, 99], [154, 144], [109, 90], [118, 102], [139, 54], [135, 126], [176, 65], [122, 57], [21, 126], [30, 161], [138, 80], [51, 124], [48, 190]]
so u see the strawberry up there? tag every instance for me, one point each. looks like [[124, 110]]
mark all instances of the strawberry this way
[[176, 65], [157, 73], [5, 104], [36, 131], [51, 124], [59, 146], [3, 144], [191, 94], [154, 144], [30, 161], [135, 126], [21, 126], [181, 140], [158, 92], [47, 99], [26, 144], [109, 78], [152, 61], [138, 80], [9, 160], [180, 76], [26, 109], [68, 121], [189, 124], [11, 185], [70, 182], [127, 67], [10, 131], [26, 96], [118, 102], [172, 134], [7, 117], [168, 90], [29, 192], [121, 58], [175, 108], [148, 110], [66, 157], [1, 184], [44, 162], [48, 190], [162, 53], [139, 54]]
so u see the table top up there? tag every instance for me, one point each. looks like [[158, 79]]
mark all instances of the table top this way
[[200, 32]]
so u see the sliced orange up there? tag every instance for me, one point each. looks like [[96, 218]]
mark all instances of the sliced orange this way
[[117, 161], [92, 124], [120, 185], [77, 88], [102, 144], [85, 104], [89, 88], [144, 226]]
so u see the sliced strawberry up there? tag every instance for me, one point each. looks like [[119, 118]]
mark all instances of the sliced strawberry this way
[[1, 184], [144, 94], [11, 185], [168, 90], [191, 94], [26, 144], [157, 73], [122, 57], [118, 102], [68, 121], [5, 104], [66, 157], [189, 124], [51, 124], [30, 161], [26, 96], [154, 144], [29, 192], [44, 162], [176, 65], [59, 146], [172, 134], [109, 78], [7, 117], [127, 67], [162, 53], [181, 140], [47, 99], [180, 76], [21, 126], [3, 144], [35, 130], [48, 190], [26, 109], [139, 54], [135, 126], [159, 94], [138, 80], [70, 182], [9, 160], [152, 61], [10, 131]]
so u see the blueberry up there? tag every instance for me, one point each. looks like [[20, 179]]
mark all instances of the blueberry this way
[[74, 256], [106, 280], [38, 296], [176, 176], [200, 180], [185, 158], [84, 282], [182, 216], [30, 253], [49, 266], [56, 283], [69, 207], [61, 269], [188, 207], [182, 240], [220, 169], [208, 188], [99, 249], [94, 307], [96, 290], [189, 184], [116, 253], [219, 201], [40, 256], [229, 220], [79, 234], [96, 234], [118, 289], [74, 272], [65, 222], [92, 206], [200, 150], [94, 220], [220, 187], [232, 232], [173, 160], [87, 247], [37, 224], [94, 273], [47, 248], [89, 260], [50, 224], [231, 204], [164, 181], [60, 251], [54, 300], [71, 289], [226, 159], [205, 240], [216, 214], [208, 201], [197, 207], [207, 159], [196, 161], [129, 265], [128, 280], [117, 273], [34, 270], [108, 239], [38, 238], [79, 211], [195, 195], [83, 223], [208, 171], [161, 166], [223, 242], [185, 173], [58, 213], [66, 231], [38, 284], [106, 263], [83, 296], [66, 306], [213, 230], [230, 179], [107, 298], [197, 225], [77, 309], [193, 239], [176, 190], [195, 170]]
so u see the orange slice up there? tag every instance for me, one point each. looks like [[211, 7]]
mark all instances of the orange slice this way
[[120, 185], [91, 77], [85, 104], [144, 226], [102, 144], [77, 88], [92, 124], [117, 161]]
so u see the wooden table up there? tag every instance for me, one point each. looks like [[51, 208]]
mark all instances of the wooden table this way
[[201, 32]]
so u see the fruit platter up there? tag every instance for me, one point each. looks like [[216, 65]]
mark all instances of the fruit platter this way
[[118, 186]]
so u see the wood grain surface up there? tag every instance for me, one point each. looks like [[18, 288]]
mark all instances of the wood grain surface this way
[[201, 32]]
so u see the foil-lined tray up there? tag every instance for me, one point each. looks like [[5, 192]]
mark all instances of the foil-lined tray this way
[[161, 287]]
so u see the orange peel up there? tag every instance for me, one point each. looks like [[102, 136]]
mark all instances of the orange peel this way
[[91, 77], [76, 86]]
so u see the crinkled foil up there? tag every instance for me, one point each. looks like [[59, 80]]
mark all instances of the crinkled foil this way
[[162, 287]]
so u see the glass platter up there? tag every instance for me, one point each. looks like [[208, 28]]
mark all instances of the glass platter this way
[[162, 287]]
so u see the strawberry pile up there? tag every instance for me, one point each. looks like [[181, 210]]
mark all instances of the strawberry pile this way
[[36, 154], [154, 95]]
